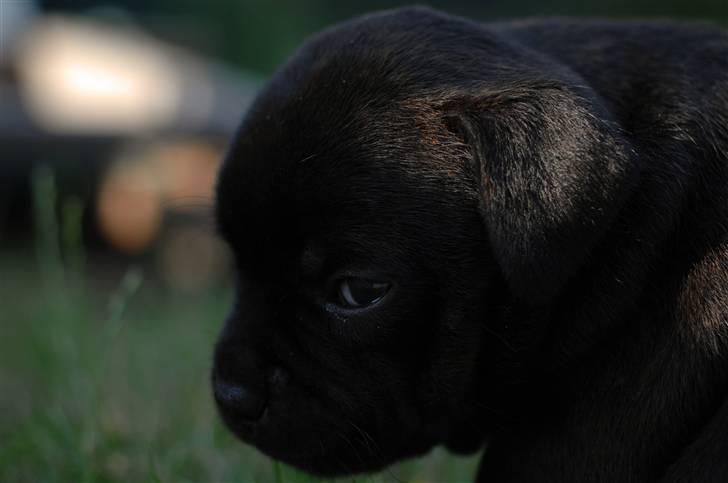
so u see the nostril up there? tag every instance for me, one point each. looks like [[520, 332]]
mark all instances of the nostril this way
[[239, 399]]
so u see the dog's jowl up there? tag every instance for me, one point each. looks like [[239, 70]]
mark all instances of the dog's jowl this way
[[461, 234]]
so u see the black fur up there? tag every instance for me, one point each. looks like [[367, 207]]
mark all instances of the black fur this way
[[549, 200]]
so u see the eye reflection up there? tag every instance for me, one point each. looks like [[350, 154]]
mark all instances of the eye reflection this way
[[354, 292]]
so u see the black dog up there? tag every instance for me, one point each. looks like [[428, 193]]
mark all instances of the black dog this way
[[453, 233]]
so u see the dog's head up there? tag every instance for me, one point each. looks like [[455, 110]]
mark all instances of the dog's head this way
[[401, 186]]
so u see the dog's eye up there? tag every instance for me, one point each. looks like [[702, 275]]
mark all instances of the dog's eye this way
[[360, 292]]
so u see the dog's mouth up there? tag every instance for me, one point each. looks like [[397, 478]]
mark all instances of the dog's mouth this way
[[306, 432], [308, 437]]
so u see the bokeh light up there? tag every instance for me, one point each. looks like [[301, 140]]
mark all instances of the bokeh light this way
[[78, 77]]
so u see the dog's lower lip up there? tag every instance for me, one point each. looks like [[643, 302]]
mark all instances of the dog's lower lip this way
[[250, 423], [235, 418]]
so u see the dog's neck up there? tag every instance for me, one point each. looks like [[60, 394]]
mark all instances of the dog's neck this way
[[585, 388]]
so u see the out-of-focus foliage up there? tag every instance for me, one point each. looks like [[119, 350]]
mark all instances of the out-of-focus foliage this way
[[259, 34]]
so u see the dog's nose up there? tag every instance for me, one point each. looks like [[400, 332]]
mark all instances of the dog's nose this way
[[245, 401]]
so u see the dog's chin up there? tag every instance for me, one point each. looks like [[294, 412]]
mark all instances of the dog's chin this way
[[322, 445]]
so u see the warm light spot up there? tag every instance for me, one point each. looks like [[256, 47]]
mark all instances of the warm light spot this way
[[188, 171], [147, 180], [94, 82], [129, 209], [82, 77]]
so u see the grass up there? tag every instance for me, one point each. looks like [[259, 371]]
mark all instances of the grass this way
[[112, 384]]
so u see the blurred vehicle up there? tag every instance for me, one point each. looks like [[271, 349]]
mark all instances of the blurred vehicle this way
[[131, 126]]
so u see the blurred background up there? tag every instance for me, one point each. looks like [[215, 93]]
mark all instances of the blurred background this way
[[114, 116]]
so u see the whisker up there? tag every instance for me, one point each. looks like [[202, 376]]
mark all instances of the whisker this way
[[500, 339], [353, 447], [368, 441], [375, 450]]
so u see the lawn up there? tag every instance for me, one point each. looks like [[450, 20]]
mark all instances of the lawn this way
[[107, 379]]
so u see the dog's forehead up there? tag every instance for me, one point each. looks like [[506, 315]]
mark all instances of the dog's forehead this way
[[359, 193], [324, 186], [335, 148], [282, 187], [318, 152]]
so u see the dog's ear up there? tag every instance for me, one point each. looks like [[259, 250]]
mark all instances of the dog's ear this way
[[553, 170]]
